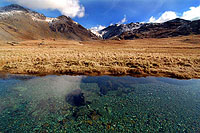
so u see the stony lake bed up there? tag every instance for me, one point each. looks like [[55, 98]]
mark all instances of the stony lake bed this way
[[102, 103]]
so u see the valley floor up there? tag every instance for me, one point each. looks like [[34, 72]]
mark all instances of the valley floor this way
[[177, 57]]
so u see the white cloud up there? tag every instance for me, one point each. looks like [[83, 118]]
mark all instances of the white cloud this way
[[152, 19], [124, 20], [166, 16], [192, 14], [70, 8], [96, 29]]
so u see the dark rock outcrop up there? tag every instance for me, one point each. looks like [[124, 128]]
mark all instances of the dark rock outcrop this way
[[195, 26]]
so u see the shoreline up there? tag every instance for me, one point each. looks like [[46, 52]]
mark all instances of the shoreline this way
[[142, 75], [177, 57]]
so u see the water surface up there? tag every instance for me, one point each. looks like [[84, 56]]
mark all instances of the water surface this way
[[106, 104]]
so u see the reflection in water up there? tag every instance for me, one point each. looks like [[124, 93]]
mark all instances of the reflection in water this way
[[108, 104], [107, 83]]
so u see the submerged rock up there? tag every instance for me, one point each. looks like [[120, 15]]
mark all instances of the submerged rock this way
[[76, 98], [94, 115]]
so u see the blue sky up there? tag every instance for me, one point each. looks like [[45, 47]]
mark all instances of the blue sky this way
[[105, 12]]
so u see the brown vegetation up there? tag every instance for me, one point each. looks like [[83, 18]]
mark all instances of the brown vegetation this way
[[171, 57]]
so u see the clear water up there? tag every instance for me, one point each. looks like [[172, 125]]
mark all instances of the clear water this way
[[92, 104]]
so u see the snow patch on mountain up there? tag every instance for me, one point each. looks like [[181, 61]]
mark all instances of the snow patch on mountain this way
[[35, 16], [49, 20], [117, 29], [96, 30], [9, 13], [13, 10], [75, 22]]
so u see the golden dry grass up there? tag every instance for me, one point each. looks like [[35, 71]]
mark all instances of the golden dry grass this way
[[170, 57]]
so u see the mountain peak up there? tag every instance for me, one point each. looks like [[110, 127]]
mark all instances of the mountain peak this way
[[179, 20], [63, 17], [10, 10], [14, 7]]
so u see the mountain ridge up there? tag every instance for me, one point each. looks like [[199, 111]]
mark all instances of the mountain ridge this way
[[13, 7], [170, 28], [19, 23]]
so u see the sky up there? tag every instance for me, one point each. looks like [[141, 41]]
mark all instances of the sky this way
[[102, 13]]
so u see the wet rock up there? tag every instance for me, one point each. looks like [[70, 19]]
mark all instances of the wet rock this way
[[89, 122], [45, 125], [94, 115], [80, 113], [109, 110], [108, 126], [62, 122]]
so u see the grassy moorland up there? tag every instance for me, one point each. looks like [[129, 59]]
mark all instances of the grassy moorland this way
[[170, 57]]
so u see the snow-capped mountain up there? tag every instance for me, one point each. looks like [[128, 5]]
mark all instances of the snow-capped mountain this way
[[170, 28], [117, 29], [17, 22], [13, 9]]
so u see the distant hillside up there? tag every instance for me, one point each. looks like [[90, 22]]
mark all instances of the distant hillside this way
[[19, 23], [170, 28]]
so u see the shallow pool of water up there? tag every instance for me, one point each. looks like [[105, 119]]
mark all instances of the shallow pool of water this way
[[105, 103]]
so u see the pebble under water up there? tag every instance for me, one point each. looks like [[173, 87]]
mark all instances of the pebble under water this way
[[93, 104]]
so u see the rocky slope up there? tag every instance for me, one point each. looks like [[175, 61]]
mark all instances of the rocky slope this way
[[170, 28], [117, 29], [19, 23], [70, 29]]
